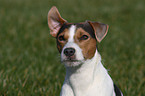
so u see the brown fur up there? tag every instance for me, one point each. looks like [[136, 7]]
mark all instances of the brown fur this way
[[88, 46], [60, 44]]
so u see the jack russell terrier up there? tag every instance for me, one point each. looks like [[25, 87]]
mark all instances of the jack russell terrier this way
[[76, 42]]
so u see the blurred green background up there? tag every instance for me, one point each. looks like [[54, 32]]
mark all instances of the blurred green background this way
[[29, 60]]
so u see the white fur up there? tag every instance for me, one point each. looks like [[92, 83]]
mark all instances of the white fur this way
[[72, 44], [71, 33], [88, 78]]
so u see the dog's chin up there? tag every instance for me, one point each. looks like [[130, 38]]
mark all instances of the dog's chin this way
[[72, 63]]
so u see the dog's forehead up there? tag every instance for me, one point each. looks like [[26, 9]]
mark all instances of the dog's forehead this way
[[84, 25]]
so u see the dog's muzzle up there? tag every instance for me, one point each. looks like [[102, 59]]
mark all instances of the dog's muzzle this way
[[71, 55]]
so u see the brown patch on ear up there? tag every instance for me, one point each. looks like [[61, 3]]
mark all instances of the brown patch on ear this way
[[88, 46], [61, 44], [55, 21], [100, 30]]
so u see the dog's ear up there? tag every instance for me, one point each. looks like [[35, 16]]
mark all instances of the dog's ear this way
[[100, 30], [55, 21]]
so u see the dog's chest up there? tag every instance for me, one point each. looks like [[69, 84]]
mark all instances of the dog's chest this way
[[88, 81], [81, 82]]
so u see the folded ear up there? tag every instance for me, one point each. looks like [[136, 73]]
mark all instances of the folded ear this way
[[55, 21], [100, 30]]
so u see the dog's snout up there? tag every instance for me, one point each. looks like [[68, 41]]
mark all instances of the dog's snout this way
[[69, 51]]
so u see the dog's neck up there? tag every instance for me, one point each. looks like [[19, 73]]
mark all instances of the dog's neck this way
[[82, 77]]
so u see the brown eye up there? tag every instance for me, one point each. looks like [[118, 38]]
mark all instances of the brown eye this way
[[84, 37], [61, 38]]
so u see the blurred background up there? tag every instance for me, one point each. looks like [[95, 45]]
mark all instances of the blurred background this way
[[29, 60]]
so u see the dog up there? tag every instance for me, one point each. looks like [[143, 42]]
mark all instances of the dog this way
[[77, 44]]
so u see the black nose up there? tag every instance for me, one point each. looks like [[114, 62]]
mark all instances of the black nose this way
[[69, 51]]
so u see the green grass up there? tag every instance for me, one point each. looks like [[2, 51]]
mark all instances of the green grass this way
[[30, 62]]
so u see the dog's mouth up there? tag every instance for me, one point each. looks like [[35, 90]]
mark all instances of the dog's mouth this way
[[73, 62], [70, 60]]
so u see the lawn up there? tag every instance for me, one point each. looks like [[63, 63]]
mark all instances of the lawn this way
[[29, 60]]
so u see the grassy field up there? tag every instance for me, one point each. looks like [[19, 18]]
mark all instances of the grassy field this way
[[29, 60]]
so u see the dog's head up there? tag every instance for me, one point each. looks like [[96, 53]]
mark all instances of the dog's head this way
[[75, 41]]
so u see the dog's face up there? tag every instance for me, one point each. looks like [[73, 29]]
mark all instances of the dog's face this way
[[75, 41]]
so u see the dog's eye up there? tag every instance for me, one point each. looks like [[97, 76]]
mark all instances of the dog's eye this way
[[84, 37], [61, 38]]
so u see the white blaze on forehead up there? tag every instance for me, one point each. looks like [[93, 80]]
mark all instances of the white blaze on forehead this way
[[72, 30]]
